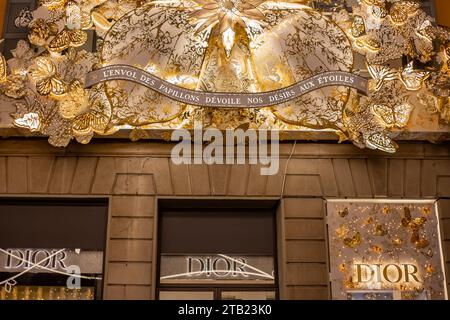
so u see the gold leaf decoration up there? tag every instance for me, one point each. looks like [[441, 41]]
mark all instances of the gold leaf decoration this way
[[84, 123], [354, 241]]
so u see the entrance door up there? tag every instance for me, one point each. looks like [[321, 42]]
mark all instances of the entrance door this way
[[213, 249]]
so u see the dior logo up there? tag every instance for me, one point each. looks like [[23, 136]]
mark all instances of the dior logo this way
[[57, 261], [216, 267], [386, 273]]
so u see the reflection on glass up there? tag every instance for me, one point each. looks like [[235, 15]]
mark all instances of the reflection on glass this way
[[248, 295], [46, 293], [388, 295], [186, 295]]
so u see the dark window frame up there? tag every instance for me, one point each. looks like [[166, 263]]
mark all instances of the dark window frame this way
[[207, 204]]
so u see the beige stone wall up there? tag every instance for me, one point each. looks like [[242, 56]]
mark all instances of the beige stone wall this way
[[134, 175]]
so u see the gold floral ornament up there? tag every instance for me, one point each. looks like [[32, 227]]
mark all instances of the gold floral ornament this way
[[415, 225]]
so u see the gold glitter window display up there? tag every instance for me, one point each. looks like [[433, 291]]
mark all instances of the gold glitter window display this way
[[47, 293], [385, 250]]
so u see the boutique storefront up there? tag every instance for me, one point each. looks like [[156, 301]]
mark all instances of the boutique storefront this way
[[124, 173]]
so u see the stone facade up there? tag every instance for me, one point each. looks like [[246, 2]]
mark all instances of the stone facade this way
[[134, 175]]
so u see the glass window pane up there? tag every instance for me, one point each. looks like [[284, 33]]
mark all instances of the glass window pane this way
[[186, 295], [248, 295]]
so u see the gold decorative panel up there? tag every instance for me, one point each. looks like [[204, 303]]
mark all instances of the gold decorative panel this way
[[385, 250], [227, 46]]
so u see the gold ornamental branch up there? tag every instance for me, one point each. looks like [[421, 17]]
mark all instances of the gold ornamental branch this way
[[227, 99]]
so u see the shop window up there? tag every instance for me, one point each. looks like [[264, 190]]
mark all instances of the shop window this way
[[52, 249], [385, 250], [217, 250]]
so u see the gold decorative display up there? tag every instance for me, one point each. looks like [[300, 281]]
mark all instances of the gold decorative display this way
[[47, 293], [230, 46], [390, 250]]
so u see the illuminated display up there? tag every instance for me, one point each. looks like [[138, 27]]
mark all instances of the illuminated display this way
[[383, 250]]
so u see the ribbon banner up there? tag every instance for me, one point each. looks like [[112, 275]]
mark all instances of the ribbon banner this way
[[227, 99]]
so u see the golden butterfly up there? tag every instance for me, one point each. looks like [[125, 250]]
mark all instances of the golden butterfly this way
[[92, 120], [380, 74], [67, 38], [419, 242], [398, 12], [413, 79], [354, 241], [397, 116], [409, 222], [47, 80], [379, 230]]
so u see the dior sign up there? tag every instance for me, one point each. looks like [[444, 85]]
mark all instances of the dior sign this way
[[226, 99], [219, 267], [49, 260], [386, 273], [56, 260]]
